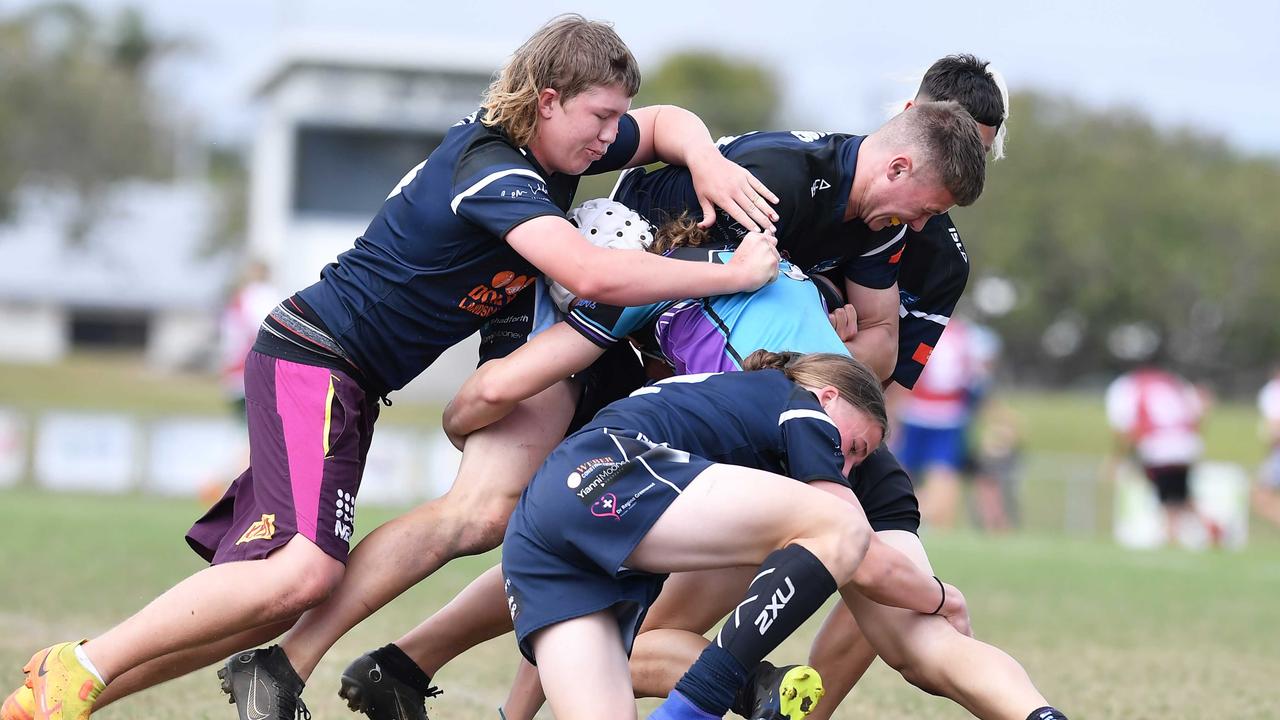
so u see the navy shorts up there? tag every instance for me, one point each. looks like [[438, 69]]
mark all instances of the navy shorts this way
[[885, 491], [309, 434], [588, 507]]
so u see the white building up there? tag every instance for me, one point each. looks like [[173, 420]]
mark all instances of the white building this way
[[140, 280], [341, 122]]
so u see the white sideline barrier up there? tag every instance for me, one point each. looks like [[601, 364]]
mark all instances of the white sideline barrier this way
[[197, 456], [1219, 490], [392, 475], [13, 447], [87, 452], [186, 456]]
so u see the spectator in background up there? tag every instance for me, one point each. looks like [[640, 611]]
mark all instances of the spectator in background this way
[[253, 297], [934, 419], [1266, 494], [1156, 417], [995, 439]]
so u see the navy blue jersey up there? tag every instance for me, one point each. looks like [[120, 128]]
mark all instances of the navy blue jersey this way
[[933, 275], [811, 173], [433, 264], [756, 419]]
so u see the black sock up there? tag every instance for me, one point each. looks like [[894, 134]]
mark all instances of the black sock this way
[[403, 667], [1047, 712], [791, 585]]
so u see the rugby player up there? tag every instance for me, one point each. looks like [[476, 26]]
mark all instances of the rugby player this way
[[456, 240]]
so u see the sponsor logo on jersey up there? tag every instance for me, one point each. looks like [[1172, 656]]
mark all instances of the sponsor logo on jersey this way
[[808, 135], [529, 190], [817, 185], [955, 238], [922, 353], [823, 265], [486, 299], [263, 529]]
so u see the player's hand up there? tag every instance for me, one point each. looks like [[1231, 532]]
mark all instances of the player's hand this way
[[956, 610], [755, 261], [720, 182], [845, 322]]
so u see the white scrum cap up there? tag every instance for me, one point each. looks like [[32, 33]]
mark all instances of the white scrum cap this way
[[608, 224]]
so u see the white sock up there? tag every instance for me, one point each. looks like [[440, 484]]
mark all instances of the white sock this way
[[88, 664]]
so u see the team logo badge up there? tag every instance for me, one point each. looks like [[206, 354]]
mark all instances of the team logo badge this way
[[263, 529]]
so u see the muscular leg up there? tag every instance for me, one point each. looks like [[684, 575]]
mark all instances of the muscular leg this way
[[211, 605], [934, 657], [476, 614], [841, 654], [471, 518], [670, 639], [566, 649], [176, 664]]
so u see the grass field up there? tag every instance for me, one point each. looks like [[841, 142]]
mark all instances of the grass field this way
[[1106, 633]]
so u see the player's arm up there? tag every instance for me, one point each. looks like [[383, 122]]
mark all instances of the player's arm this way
[[678, 137], [636, 277], [876, 341], [889, 577], [495, 389]]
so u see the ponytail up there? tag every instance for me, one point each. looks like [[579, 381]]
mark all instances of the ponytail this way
[[856, 383]]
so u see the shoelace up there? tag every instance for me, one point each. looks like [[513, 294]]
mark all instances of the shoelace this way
[[303, 712]]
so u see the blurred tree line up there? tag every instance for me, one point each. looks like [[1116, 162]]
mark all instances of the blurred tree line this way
[[1124, 240], [81, 113]]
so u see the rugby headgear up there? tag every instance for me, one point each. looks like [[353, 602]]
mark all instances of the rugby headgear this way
[[608, 224]]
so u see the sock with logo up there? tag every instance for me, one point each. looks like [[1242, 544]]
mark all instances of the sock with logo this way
[[396, 662], [790, 586], [1047, 712]]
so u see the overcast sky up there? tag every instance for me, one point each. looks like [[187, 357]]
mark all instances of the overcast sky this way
[[1211, 65]]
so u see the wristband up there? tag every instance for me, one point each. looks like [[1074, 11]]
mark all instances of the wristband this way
[[943, 601]]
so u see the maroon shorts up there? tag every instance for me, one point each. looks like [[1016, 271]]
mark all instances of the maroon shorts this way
[[309, 433]]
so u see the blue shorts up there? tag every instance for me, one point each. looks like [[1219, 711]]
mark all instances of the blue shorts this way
[[588, 507], [920, 448]]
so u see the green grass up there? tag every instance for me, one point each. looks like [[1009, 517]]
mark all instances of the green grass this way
[[1105, 633]]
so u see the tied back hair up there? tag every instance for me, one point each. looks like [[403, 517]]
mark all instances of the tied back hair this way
[[855, 382], [675, 233]]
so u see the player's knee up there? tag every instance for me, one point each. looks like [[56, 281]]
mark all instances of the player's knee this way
[[306, 579], [918, 665], [841, 543]]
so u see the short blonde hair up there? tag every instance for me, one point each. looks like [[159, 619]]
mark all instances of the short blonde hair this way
[[570, 55]]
